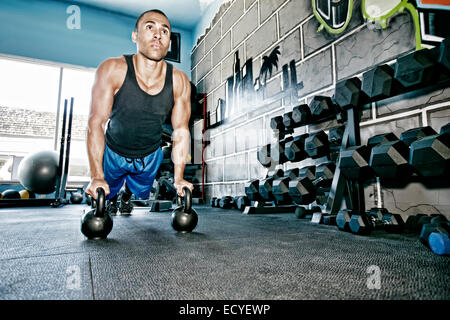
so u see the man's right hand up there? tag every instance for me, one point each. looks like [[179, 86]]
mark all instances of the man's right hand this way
[[94, 184]]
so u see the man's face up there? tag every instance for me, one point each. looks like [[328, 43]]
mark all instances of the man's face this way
[[152, 37]]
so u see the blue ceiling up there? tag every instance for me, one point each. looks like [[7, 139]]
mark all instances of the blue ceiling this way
[[184, 14]]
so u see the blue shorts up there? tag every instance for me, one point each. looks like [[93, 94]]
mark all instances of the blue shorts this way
[[139, 173]]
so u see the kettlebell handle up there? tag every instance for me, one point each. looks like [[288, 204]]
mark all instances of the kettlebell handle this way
[[101, 200], [187, 200]]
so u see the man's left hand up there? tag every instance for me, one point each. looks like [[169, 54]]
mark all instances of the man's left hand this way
[[179, 185]]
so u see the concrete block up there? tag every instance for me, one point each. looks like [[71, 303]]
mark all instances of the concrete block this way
[[214, 171], [204, 66], [316, 73], [198, 54], [354, 54], [232, 15], [250, 135], [221, 49], [267, 7], [229, 142], [249, 3], [292, 14], [236, 167], [263, 38], [213, 37], [212, 80], [244, 26]]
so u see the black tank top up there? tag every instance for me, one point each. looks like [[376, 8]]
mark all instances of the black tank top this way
[[135, 126]]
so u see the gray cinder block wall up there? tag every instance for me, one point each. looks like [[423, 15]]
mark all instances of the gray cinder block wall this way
[[254, 28]]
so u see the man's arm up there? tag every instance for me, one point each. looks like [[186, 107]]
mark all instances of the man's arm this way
[[181, 113], [101, 106]]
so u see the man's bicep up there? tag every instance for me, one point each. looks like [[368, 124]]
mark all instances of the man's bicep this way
[[181, 112], [102, 98]]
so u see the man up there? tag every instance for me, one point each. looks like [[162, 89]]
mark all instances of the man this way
[[131, 97]]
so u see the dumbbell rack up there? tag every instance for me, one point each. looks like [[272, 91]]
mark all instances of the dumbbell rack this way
[[350, 191]]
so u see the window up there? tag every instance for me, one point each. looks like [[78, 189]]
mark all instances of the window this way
[[29, 109]]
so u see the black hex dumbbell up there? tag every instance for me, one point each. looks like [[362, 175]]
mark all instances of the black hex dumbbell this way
[[441, 54], [294, 150], [414, 134], [263, 155], [390, 160], [412, 223], [343, 219], [265, 185], [303, 190], [317, 145], [354, 161], [288, 122], [376, 219], [308, 171], [322, 196], [322, 107], [301, 115], [242, 202], [226, 202], [335, 136], [280, 186], [379, 83], [276, 123], [417, 69], [252, 190], [348, 93], [277, 153], [430, 156], [304, 213]]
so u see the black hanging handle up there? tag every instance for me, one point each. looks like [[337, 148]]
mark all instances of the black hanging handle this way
[[101, 201], [187, 200]]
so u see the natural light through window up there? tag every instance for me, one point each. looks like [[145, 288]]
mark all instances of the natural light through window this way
[[29, 97]]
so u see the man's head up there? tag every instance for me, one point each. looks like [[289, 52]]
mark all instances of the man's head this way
[[152, 34]]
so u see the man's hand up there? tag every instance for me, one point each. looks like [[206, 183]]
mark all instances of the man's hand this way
[[179, 185], [94, 184]]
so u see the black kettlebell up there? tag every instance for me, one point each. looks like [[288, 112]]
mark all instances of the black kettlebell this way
[[76, 198], [184, 217], [97, 224]]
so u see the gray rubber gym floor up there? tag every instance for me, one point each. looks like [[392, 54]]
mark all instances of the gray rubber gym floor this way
[[228, 256]]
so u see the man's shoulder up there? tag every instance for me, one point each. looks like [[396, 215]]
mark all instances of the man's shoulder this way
[[179, 77], [113, 63], [113, 71]]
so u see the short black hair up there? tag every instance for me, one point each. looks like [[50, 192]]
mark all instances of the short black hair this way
[[143, 13]]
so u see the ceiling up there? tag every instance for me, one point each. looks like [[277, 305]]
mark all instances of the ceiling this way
[[183, 14]]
